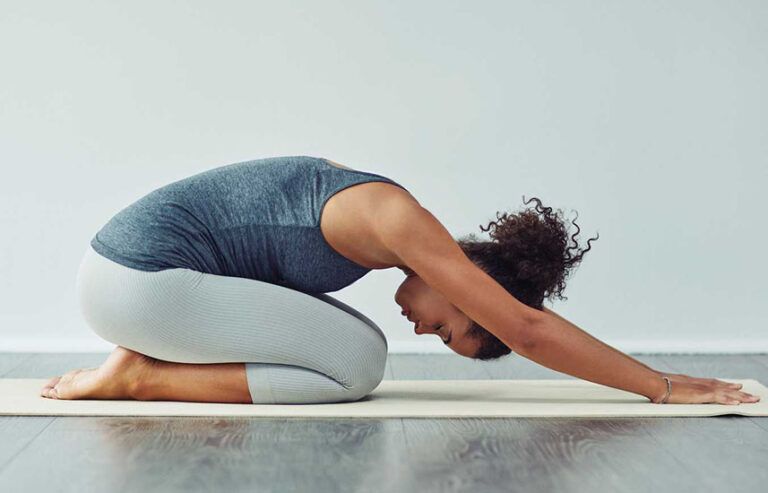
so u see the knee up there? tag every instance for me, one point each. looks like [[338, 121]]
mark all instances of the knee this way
[[362, 387], [368, 371]]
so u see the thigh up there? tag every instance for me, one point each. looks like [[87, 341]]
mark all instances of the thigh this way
[[352, 311], [193, 317], [226, 318]]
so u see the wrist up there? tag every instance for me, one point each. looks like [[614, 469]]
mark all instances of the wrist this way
[[658, 373], [660, 390]]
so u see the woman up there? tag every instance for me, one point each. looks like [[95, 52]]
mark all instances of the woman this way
[[213, 288]]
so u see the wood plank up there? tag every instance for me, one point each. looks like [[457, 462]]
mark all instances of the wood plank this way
[[514, 366], [761, 374], [9, 361], [437, 367], [534, 454], [18, 432], [208, 454], [44, 365], [719, 365], [388, 375]]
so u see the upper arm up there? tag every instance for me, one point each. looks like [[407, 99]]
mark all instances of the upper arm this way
[[422, 243]]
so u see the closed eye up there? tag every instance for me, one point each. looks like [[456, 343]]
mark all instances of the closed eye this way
[[445, 341]]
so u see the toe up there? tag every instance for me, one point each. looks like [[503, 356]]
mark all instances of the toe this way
[[52, 382], [76, 384], [45, 391], [63, 390], [60, 387]]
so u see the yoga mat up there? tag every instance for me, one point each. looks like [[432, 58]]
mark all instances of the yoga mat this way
[[403, 399]]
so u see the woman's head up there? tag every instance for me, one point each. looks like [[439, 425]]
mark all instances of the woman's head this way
[[432, 313], [528, 254]]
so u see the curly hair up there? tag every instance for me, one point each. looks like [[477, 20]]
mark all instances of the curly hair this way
[[529, 256]]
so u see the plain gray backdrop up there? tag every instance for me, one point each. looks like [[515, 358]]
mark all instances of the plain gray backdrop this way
[[646, 118]]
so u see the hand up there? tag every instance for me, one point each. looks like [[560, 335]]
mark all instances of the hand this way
[[679, 377], [692, 390]]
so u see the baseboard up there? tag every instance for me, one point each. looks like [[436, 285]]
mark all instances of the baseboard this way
[[666, 346]]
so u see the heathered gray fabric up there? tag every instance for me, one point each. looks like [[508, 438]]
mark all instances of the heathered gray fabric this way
[[298, 348], [256, 219]]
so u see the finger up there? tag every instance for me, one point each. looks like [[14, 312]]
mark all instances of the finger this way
[[727, 384], [748, 397], [725, 397], [729, 400], [739, 397]]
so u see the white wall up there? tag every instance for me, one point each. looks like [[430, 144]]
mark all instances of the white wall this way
[[648, 118]]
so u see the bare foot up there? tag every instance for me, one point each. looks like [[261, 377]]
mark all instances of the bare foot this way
[[116, 378]]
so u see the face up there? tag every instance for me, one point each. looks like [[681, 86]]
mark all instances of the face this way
[[432, 314]]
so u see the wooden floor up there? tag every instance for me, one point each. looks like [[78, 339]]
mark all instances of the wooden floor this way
[[148, 454]]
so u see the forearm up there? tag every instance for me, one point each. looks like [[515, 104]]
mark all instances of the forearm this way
[[558, 344], [219, 382], [623, 355]]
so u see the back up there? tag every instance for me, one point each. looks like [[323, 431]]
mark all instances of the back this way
[[256, 219]]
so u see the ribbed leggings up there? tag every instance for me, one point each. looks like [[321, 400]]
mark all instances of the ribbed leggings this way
[[298, 348]]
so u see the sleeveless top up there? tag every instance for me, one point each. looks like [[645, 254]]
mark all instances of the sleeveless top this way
[[256, 219]]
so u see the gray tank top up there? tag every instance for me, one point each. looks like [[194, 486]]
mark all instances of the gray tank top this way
[[256, 219]]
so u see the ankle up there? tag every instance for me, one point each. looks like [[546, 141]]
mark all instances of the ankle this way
[[143, 384]]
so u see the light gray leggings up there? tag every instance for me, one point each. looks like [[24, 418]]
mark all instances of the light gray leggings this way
[[298, 348]]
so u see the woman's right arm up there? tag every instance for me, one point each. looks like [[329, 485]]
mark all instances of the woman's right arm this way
[[660, 374], [421, 242]]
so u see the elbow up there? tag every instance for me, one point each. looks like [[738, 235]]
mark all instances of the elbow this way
[[524, 345], [528, 335]]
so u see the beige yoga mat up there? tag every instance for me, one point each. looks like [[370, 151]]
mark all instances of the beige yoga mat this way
[[403, 399]]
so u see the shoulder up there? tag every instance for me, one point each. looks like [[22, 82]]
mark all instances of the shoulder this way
[[406, 229], [391, 196]]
